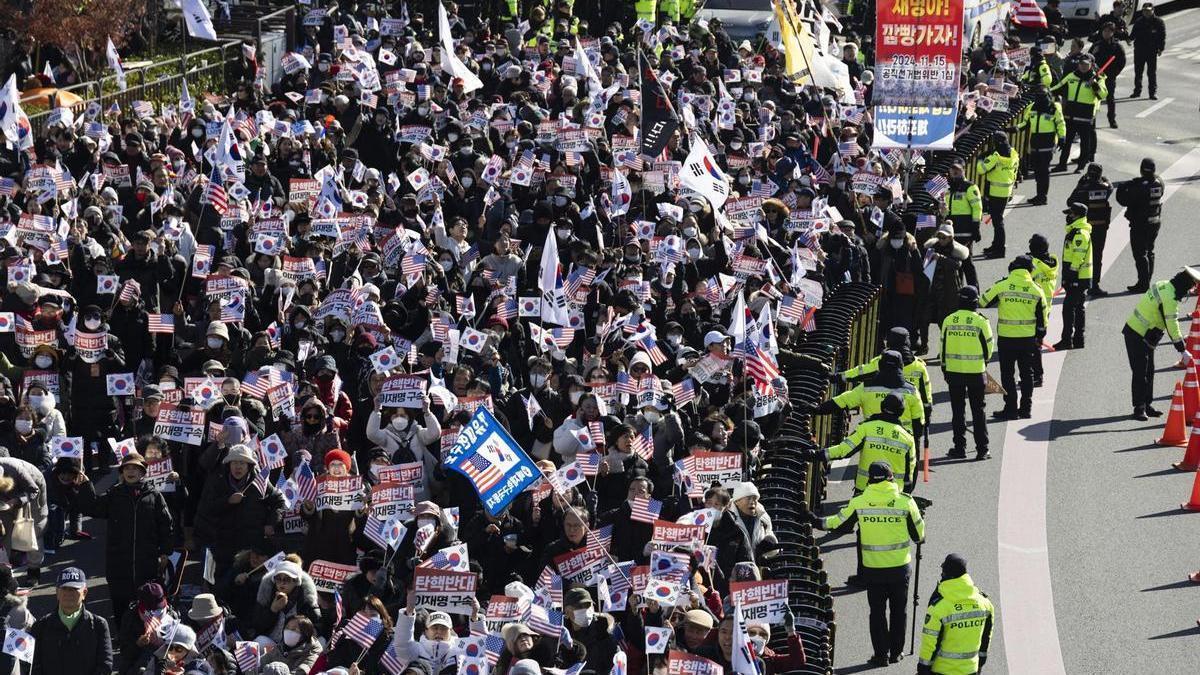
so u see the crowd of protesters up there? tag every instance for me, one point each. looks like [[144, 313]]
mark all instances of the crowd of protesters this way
[[189, 286]]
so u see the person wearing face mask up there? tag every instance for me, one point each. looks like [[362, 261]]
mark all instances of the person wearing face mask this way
[[538, 436], [26, 440], [767, 661], [299, 650], [330, 533], [591, 629], [348, 652], [233, 514], [438, 532], [43, 402], [901, 275], [285, 592], [405, 439], [312, 432], [566, 441], [630, 536], [437, 646]]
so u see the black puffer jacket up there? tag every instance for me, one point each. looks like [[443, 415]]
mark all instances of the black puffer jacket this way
[[139, 530], [229, 528]]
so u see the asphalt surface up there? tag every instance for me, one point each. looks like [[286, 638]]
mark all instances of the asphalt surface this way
[[1119, 546]]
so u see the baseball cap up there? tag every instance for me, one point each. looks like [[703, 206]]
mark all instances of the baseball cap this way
[[72, 577], [714, 337], [439, 619]]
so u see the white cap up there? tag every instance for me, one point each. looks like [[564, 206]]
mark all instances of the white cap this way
[[714, 337]]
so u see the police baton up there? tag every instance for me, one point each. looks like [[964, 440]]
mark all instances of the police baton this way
[[922, 504]]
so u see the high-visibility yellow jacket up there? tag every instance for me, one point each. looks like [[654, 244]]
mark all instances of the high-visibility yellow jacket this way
[[958, 628], [1041, 76], [1081, 98], [966, 342], [888, 523], [1046, 129], [868, 400], [1021, 305], [668, 10], [1159, 310], [1001, 172], [1077, 249], [879, 440], [1045, 275], [916, 373], [646, 9]]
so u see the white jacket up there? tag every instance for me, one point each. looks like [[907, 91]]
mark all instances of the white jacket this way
[[416, 438]]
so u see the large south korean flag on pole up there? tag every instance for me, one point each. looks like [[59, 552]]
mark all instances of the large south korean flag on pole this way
[[496, 466]]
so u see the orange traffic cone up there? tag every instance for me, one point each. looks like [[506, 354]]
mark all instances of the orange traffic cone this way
[[1193, 503], [1191, 391], [1192, 342], [1191, 457], [1175, 431]]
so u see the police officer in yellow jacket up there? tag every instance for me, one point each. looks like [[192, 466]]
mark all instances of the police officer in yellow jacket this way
[[964, 206], [880, 438], [1095, 190], [958, 624], [915, 370], [1000, 168], [1044, 117], [966, 349], [1082, 92], [1021, 327], [646, 9], [1038, 71], [888, 524], [1156, 313], [868, 396], [1076, 275], [1045, 275]]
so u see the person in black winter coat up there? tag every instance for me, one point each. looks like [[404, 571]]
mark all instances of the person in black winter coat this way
[[71, 640], [233, 513], [1149, 35], [592, 630], [139, 529], [146, 267]]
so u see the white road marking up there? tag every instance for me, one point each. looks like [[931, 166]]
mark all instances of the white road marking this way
[[1187, 44], [1155, 108], [1031, 642], [1178, 14]]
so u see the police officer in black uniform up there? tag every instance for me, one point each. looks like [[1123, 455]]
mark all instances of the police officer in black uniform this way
[[1142, 199], [1095, 190]]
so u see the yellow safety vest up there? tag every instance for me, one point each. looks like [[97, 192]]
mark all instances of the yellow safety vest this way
[[1042, 76], [1045, 275], [1158, 309], [869, 399], [1077, 248], [668, 10], [1045, 129], [1022, 304], [966, 342], [647, 9], [916, 373], [879, 440], [1001, 172], [884, 515], [1081, 99], [958, 628], [967, 202]]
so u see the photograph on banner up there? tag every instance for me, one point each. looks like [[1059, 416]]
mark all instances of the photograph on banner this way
[[444, 590]]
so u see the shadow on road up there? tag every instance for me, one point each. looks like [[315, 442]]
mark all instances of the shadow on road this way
[[1194, 630], [1186, 583]]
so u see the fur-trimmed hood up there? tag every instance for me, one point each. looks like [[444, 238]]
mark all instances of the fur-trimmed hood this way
[[957, 250], [909, 242], [307, 589]]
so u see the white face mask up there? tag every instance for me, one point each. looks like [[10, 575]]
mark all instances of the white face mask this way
[[896, 243], [43, 361], [291, 638], [24, 427], [575, 396], [424, 522], [436, 649], [400, 422], [466, 181], [652, 416], [36, 400], [446, 265], [583, 617], [214, 342], [537, 380], [674, 340], [91, 324], [299, 323], [337, 335], [758, 644], [690, 232]]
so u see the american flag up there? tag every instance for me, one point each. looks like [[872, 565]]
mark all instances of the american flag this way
[[548, 622], [256, 384], [57, 251], [391, 663], [589, 463], [937, 186], [507, 308], [601, 537], [657, 357], [248, 656], [791, 309], [712, 291], [215, 193], [577, 279], [306, 482], [821, 174], [645, 509], [551, 582], [363, 629], [596, 431], [493, 646], [338, 608], [413, 264], [685, 391], [643, 444], [469, 256], [130, 290], [482, 473], [261, 480], [8, 187], [161, 323], [562, 337], [760, 365], [763, 188]]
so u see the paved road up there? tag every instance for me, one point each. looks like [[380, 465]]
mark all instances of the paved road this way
[[1090, 575]]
